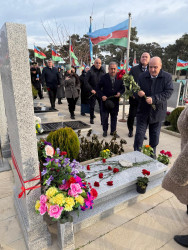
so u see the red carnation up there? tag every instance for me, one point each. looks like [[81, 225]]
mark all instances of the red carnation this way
[[100, 175], [168, 153], [71, 180], [103, 160], [57, 170], [162, 152], [96, 184], [145, 172], [109, 168], [94, 193], [88, 167], [63, 153], [110, 183], [116, 170], [120, 74]]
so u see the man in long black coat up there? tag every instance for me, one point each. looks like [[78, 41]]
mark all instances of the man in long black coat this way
[[133, 102], [157, 85], [110, 86], [91, 81]]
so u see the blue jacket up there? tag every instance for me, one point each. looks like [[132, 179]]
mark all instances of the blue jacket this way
[[160, 91], [104, 88], [51, 77]]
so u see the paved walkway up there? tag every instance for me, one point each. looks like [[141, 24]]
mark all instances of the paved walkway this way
[[149, 224]]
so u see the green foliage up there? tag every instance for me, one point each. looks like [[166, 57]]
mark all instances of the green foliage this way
[[34, 91], [173, 117], [91, 148], [142, 182], [66, 140]]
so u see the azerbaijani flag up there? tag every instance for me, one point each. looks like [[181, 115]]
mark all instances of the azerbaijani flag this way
[[38, 53], [75, 59], [181, 65], [116, 35], [55, 55]]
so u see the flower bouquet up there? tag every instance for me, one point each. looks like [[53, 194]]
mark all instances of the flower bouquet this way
[[132, 87], [38, 127], [65, 187], [164, 157], [104, 154], [142, 182], [147, 150]]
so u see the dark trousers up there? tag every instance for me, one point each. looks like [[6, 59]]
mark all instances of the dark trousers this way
[[92, 102], [39, 92], [132, 115], [154, 132], [52, 96], [113, 115], [71, 104]]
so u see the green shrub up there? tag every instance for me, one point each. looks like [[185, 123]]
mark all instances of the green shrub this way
[[66, 140], [34, 91], [173, 117]]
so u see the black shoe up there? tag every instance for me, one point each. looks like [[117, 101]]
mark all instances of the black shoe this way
[[42, 97], [55, 109], [105, 134], [145, 137], [83, 114], [94, 116], [182, 240], [130, 134], [72, 117], [91, 121], [60, 103]]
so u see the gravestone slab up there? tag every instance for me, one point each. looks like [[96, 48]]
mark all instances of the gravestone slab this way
[[173, 101], [43, 109], [15, 75]]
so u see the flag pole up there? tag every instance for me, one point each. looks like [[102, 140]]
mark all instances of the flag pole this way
[[175, 75], [70, 49], [90, 43], [127, 65], [34, 53]]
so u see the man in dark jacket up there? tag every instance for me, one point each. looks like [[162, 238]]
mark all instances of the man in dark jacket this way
[[157, 85], [110, 89], [50, 76], [36, 78], [91, 81], [133, 102]]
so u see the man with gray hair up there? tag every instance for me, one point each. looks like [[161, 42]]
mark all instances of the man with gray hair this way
[[91, 81], [110, 89], [157, 85]]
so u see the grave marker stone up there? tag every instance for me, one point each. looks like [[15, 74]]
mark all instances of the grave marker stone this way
[[15, 75], [173, 101]]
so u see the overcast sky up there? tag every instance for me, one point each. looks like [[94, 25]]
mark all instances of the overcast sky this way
[[161, 21]]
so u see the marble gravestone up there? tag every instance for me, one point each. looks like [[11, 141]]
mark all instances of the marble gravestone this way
[[173, 101], [4, 138], [15, 76]]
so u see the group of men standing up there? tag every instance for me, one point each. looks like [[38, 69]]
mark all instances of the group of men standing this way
[[148, 105]]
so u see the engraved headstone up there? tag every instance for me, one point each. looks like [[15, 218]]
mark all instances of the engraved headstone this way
[[15, 75], [173, 101]]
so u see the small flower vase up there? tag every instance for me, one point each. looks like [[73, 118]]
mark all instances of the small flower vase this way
[[140, 190], [65, 236]]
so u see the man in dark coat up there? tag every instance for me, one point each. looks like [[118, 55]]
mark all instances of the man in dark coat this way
[[110, 89], [91, 81], [157, 85], [36, 78], [133, 102], [50, 76]]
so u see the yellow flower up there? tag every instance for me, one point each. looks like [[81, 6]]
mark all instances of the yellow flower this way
[[104, 151], [38, 125], [80, 200], [37, 205], [107, 150], [48, 205], [69, 204], [59, 199], [51, 192]]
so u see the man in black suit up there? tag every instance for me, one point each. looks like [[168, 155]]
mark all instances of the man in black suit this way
[[135, 72], [110, 89], [157, 85]]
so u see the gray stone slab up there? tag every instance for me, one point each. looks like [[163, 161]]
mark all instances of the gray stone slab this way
[[173, 101], [15, 75]]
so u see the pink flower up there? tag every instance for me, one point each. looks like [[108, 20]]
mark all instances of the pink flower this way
[[64, 186], [43, 199], [43, 209], [55, 211], [78, 179], [75, 190], [49, 150]]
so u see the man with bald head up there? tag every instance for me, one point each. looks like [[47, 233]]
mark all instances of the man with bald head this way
[[133, 102], [91, 81], [157, 85]]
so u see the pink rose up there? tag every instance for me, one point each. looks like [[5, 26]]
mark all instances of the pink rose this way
[[43, 209], [55, 211], [43, 199], [75, 190], [49, 150]]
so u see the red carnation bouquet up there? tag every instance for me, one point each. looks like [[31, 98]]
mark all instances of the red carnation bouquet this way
[[120, 74], [143, 181], [164, 157]]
